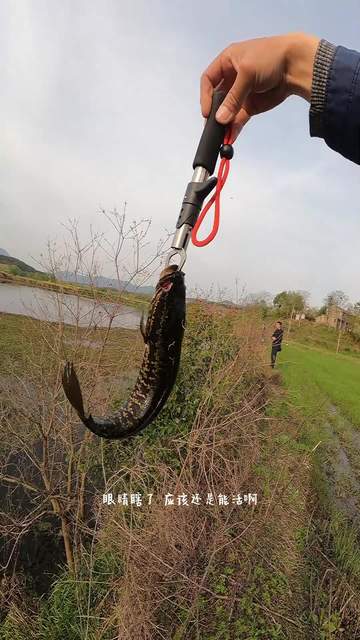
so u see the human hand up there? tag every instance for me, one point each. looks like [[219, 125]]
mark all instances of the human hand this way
[[257, 75]]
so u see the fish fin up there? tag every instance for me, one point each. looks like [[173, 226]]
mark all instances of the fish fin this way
[[72, 389], [143, 325]]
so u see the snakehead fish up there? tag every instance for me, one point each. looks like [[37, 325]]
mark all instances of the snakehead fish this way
[[162, 334]]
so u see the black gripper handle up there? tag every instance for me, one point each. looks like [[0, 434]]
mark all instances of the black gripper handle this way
[[212, 138]]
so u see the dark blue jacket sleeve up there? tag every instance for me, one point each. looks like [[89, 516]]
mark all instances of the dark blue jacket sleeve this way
[[338, 119]]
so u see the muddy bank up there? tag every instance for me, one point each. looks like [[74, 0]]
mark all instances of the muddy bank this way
[[341, 465]]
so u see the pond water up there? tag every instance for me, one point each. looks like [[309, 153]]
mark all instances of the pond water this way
[[51, 306]]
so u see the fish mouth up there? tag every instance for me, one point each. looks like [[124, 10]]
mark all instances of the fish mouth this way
[[167, 285]]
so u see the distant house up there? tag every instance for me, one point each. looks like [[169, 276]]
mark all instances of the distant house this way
[[337, 318]]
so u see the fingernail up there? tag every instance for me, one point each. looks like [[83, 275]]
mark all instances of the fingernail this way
[[223, 115]]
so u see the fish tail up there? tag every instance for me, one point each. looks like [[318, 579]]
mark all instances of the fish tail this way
[[72, 389]]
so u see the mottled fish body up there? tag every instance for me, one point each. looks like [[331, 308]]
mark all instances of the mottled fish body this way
[[163, 334]]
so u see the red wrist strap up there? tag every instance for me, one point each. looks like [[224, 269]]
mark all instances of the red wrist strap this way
[[223, 173]]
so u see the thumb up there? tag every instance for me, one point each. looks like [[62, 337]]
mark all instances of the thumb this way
[[234, 99]]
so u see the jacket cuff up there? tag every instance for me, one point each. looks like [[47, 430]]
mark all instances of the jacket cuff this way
[[322, 64]]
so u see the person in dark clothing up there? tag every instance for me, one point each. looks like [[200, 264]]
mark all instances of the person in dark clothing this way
[[259, 74], [276, 337]]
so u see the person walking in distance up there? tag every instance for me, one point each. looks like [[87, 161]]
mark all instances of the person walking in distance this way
[[276, 337]]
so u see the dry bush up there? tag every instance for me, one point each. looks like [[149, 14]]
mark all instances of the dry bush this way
[[185, 569], [45, 455]]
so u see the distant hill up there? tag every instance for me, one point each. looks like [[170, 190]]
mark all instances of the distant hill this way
[[3, 252], [99, 281], [102, 281], [9, 260]]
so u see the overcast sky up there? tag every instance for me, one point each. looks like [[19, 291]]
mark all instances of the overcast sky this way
[[100, 104]]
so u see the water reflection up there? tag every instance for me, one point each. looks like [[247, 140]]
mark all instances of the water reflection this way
[[52, 306]]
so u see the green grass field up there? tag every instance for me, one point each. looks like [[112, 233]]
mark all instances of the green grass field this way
[[322, 337], [312, 375]]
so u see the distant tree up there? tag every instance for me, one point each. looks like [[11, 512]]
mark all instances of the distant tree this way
[[261, 297], [339, 298], [311, 313], [287, 301], [356, 308], [305, 295]]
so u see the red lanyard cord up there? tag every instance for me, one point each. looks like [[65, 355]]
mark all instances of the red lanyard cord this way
[[223, 173]]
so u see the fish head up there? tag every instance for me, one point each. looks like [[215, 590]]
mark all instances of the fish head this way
[[172, 280]]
